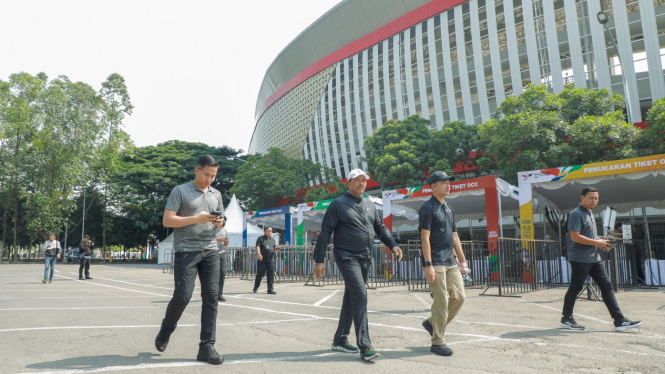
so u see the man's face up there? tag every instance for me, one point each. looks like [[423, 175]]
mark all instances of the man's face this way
[[86, 240], [51, 237], [206, 175], [268, 232], [358, 185], [441, 188], [590, 200]]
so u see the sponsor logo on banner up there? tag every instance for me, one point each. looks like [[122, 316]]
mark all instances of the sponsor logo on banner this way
[[493, 234]]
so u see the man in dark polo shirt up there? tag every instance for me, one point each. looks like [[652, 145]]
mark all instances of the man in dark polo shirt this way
[[265, 251], [189, 210], [441, 249], [354, 220], [584, 260]]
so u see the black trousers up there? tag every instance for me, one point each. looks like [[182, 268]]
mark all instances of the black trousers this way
[[222, 272], [84, 263], [354, 307], [579, 272], [186, 266], [636, 268], [261, 269]]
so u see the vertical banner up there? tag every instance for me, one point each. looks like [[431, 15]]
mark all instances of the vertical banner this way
[[492, 215], [526, 208], [244, 229], [387, 212], [301, 225]]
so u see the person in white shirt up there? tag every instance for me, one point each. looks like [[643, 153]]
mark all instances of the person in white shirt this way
[[51, 250], [222, 238]]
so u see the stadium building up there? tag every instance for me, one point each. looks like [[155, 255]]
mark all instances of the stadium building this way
[[365, 62]]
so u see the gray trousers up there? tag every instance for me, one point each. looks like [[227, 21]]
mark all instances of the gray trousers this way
[[354, 307]]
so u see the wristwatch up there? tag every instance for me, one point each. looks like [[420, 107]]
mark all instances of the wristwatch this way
[[428, 263]]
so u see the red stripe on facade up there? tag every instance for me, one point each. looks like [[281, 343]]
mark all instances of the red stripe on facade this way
[[402, 23]]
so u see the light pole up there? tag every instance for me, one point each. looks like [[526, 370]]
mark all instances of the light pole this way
[[603, 19], [66, 231]]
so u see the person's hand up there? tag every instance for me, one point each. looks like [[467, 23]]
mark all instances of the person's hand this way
[[318, 270], [277, 248], [259, 256], [430, 274], [464, 268], [57, 256], [457, 260], [220, 239], [398, 251], [604, 244], [204, 217], [226, 242]]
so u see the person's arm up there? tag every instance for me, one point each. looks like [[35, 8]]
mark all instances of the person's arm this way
[[258, 250], [57, 249], [425, 225], [385, 236], [44, 246], [457, 248], [617, 234], [173, 220], [330, 220], [600, 243]]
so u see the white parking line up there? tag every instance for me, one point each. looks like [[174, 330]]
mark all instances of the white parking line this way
[[183, 364], [325, 299]]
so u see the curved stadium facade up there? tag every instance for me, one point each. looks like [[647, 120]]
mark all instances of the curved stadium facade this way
[[369, 61]]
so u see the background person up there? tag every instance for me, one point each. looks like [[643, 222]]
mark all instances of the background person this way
[[222, 238], [442, 258], [189, 210], [265, 251], [585, 260], [51, 250], [354, 221], [633, 253], [85, 251]]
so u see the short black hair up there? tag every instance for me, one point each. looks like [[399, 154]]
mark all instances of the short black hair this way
[[207, 161], [268, 227], [618, 224], [586, 190]]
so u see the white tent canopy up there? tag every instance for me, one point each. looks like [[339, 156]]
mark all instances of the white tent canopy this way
[[234, 217]]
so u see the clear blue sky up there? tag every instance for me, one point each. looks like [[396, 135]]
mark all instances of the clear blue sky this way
[[193, 68]]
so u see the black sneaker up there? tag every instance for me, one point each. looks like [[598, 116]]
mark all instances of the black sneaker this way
[[625, 324], [368, 354], [428, 326], [80, 278], [346, 347], [271, 292], [570, 324], [87, 277], [162, 339], [210, 355], [441, 350], [221, 298], [254, 290]]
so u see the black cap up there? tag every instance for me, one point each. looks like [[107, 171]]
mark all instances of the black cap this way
[[51, 234], [439, 176], [86, 236]]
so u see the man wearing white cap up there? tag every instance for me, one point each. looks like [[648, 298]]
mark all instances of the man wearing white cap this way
[[354, 221]]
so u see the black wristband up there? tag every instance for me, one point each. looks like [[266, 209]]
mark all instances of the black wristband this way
[[428, 263]]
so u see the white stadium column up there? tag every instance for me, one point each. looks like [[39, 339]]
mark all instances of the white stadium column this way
[[368, 114], [375, 85], [448, 67], [356, 102], [420, 66], [340, 115], [463, 68], [531, 45], [349, 121], [409, 73], [331, 128], [397, 67], [553, 45], [651, 44], [478, 61], [324, 128], [574, 44], [599, 47], [513, 51], [626, 50], [434, 73], [386, 79], [495, 57]]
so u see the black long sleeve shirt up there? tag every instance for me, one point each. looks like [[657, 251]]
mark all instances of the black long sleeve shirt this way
[[85, 249], [354, 221]]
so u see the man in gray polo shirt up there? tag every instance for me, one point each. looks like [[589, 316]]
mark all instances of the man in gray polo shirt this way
[[584, 260], [193, 209]]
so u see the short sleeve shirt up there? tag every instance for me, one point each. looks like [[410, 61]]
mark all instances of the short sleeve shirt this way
[[188, 200], [581, 220], [439, 219], [221, 234], [267, 247]]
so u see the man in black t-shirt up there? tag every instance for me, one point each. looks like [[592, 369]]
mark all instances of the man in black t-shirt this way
[[265, 251], [441, 246]]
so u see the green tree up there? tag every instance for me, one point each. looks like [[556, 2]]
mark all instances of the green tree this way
[[272, 179], [601, 138], [330, 189], [145, 176], [117, 105], [401, 153], [653, 137], [457, 144]]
